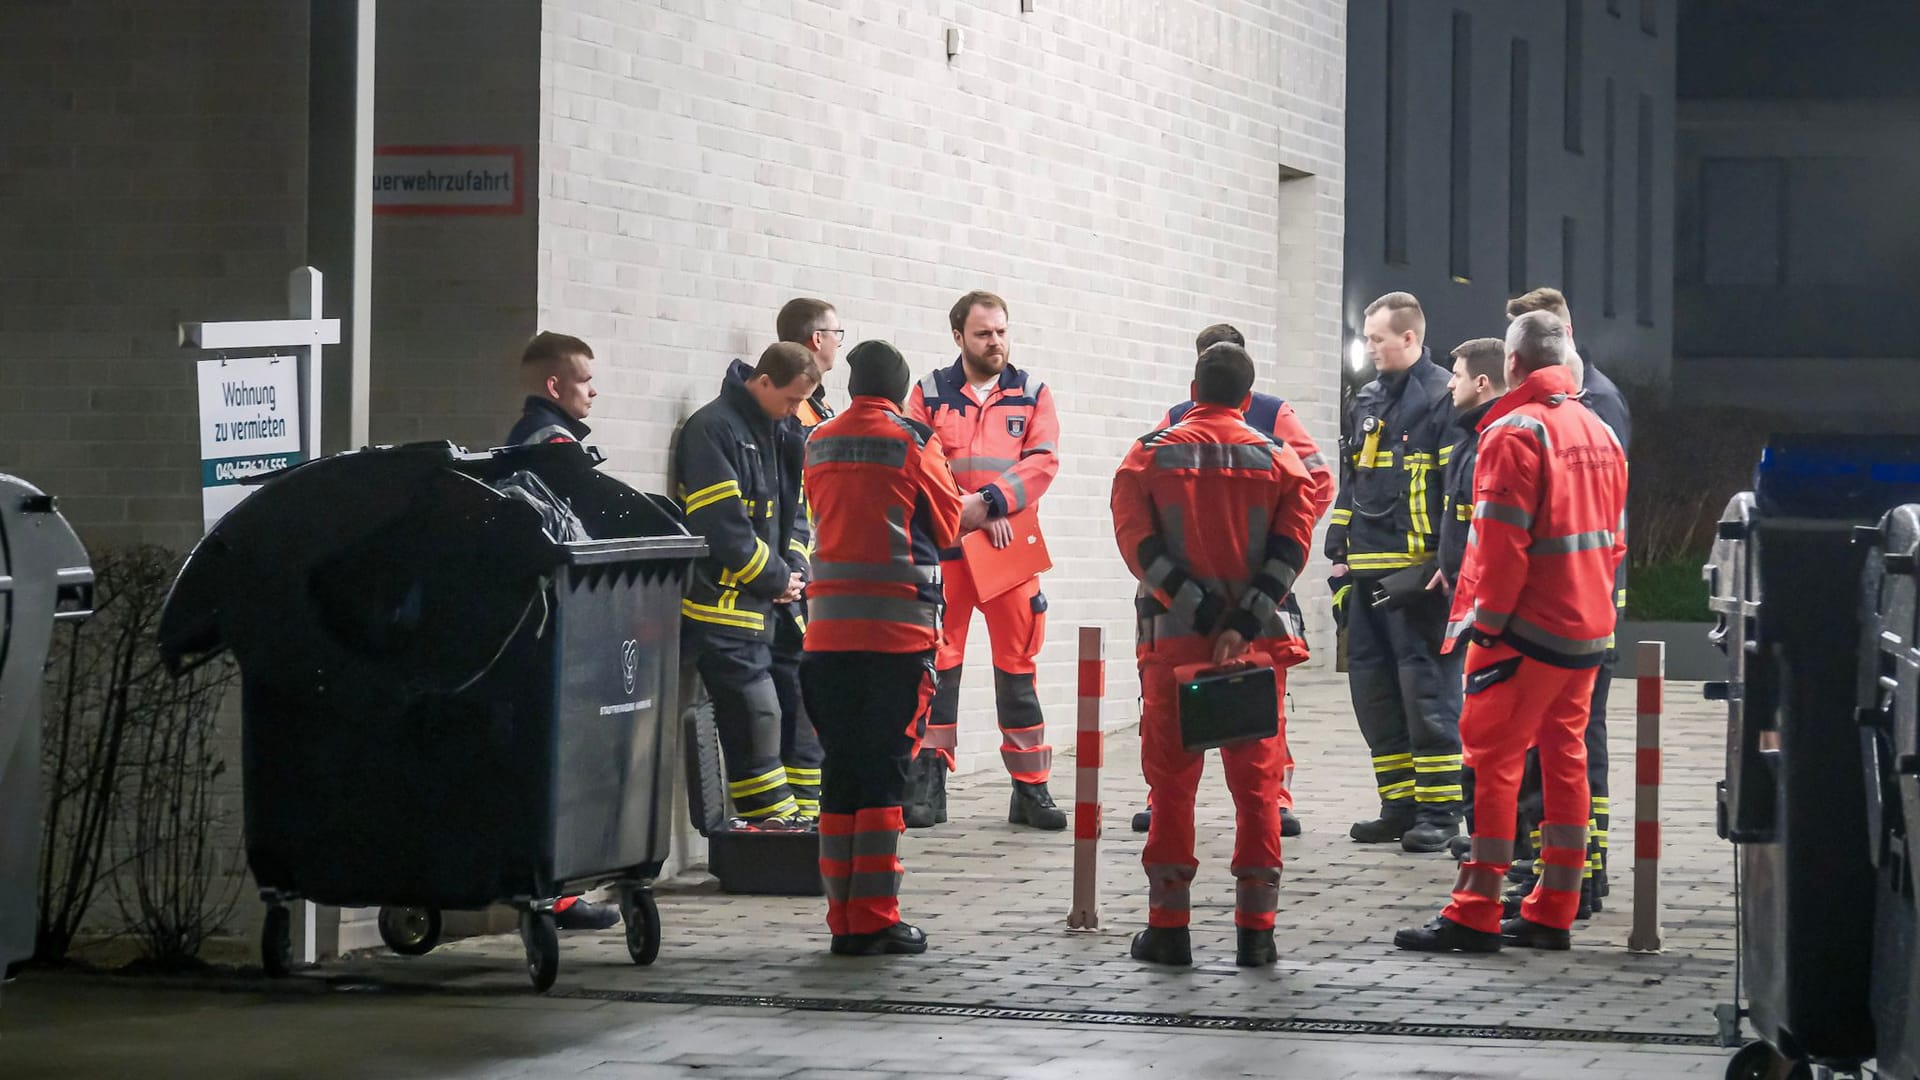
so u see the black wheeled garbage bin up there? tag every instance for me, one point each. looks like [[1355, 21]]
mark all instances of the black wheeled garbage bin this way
[[1785, 584], [45, 578], [447, 702]]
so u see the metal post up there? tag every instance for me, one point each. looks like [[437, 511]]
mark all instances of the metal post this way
[[340, 90], [304, 298], [1650, 670], [1086, 784]]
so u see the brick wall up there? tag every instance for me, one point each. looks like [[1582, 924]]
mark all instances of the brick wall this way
[[1112, 168]]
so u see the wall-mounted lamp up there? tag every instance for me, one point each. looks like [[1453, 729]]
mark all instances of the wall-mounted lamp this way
[[954, 42]]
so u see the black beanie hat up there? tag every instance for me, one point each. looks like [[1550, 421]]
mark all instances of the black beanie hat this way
[[878, 370]]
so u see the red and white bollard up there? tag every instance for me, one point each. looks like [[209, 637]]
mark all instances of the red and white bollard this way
[[1650, 671], [1086, 782]]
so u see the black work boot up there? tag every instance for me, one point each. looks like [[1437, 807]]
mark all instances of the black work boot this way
[[1255, 948], [1445, 935], [898, 938], [1432, 830], [1510, 904], [1143, 820], [1460, 847], [919, 806], [1395, 819], [1523, 933], [1289, 825], [937, 789], [1163, 945], [1032, 804]]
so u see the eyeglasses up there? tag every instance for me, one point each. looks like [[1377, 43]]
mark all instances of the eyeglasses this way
[[839, 334]]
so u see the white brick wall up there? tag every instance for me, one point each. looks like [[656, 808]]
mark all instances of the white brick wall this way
[[1112, 168]]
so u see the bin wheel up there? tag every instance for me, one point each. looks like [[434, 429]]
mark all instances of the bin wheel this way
[[642, 917], [276, 942], [410, 931], [542, 941], [1760, 1061]]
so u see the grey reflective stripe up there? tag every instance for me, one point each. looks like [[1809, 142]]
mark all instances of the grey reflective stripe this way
[[1561, 878], [1032, 386], [994, 465], [873, 884], [546, 433], [1313, 461], [1282, 573], [1527, 631], [1213, 456], [836, 847], [900, 545], [930, 388], [1186, 603], [1158, 571], [1256, 890], [1040, 448], [856, 450], [872, 842], [877, 572], [1493, 850], [1027, 738], [836, 887], [1567, 545], [1487, 509], [872, 608], [1563, 836], [1496, 621], [1527, 424], [1455, 629], [1260, 605], [1479, 880], [1167, 887], [1284, 624], [1019, 487]]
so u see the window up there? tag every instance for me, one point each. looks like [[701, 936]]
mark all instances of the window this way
[[1649, 18], [1609, 216], [1743, 219], [1643, 211], [1571, 68], [1396, 128], [1568, 231], [1518, 94], [1460, 234]]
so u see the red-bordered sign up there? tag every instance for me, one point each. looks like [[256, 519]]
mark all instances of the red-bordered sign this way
[[428, 180]]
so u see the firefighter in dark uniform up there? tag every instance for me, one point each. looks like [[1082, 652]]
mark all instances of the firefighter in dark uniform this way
[[815, 326], [1604, 400], [727, 471], [1383, 534]]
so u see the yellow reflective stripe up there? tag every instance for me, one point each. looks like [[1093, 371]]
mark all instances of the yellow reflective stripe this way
[[784, 808], [754, 785], [1417, 495], [800, 549], [1392, 761], [755, 564], [1385, 560], [1342, 517], [1446, 454], [1401, 789], [723, 616], [1463, 511], [1439, 794], [1436, 764], [1340, 595], [707, 496], [802, 776]]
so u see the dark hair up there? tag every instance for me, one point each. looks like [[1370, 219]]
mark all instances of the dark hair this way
[[1403, 312], [785, 361], [1484, 356], [548, 349], [1217, 333], [1544, 298], [957, 318], [1223, 375], [800, 318]]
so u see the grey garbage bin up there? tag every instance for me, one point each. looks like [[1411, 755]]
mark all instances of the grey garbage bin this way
[[44, 578]]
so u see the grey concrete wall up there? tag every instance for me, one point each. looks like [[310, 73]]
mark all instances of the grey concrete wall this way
[[1560, 183]]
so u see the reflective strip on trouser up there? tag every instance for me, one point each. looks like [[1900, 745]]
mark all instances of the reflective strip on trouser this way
[[872, 707], [1555, 900], [1407, 706], [1173, 773], [1599, 821], [1256, 896], [1436, 783], [746, 712], [1016, 632], [800, 749], [1543, 705]]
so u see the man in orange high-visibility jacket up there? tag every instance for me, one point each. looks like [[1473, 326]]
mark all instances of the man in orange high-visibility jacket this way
[[1535, 603], [999, 429], [884, 505], [1214, 518], [1273, 416]]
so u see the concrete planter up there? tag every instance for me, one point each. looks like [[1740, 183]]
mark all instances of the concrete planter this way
[[1690, 657]]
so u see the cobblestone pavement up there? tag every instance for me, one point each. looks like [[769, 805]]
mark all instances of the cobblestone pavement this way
[[994, 899]]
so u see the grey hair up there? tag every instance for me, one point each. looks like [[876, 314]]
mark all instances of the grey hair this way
[[1538, 339]]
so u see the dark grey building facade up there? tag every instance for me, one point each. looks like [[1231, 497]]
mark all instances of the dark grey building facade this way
[[1498, 145]]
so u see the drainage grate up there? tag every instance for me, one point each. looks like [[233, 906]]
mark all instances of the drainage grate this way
[[1153, 1020]]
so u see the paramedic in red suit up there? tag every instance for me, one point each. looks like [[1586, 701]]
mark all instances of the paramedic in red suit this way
[[1273, 416], [1000, 432], [884, 505], [558, 372], [1535, 606], [1214, 518]]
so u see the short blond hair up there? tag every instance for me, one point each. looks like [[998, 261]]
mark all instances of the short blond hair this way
[[1404, 312], [1544, 298]]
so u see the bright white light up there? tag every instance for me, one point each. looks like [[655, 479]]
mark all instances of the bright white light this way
[[1357, 354]]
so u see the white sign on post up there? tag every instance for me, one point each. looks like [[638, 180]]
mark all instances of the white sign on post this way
[[249, 426]]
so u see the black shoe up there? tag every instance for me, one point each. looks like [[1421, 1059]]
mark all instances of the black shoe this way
[[1168, 945], [898, 938], [581, 915], [1510, 905], [937, 792], [1460, 847], [1527, 934], [1289, 825], [1255, 948], [1427, 837], [1033, 805], [1388, 828], [919, 803], [1143, 820], [1445, 935]]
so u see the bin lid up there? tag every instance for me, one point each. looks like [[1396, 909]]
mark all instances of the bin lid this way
[[1842, 477]]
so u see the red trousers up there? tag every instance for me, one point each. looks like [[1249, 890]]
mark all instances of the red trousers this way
[[1017, 628], [1513, 702], [1254, 771]]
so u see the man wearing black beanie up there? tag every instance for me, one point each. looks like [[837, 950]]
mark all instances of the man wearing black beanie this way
[[884, 506]]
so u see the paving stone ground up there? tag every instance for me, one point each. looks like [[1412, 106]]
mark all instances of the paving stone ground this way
[[993, 900]]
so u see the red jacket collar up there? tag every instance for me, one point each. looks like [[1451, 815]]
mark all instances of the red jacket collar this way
[[874, 401], [1549, 386], [1203, 411]]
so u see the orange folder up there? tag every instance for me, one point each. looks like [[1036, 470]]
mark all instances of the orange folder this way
[[995, 570]]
